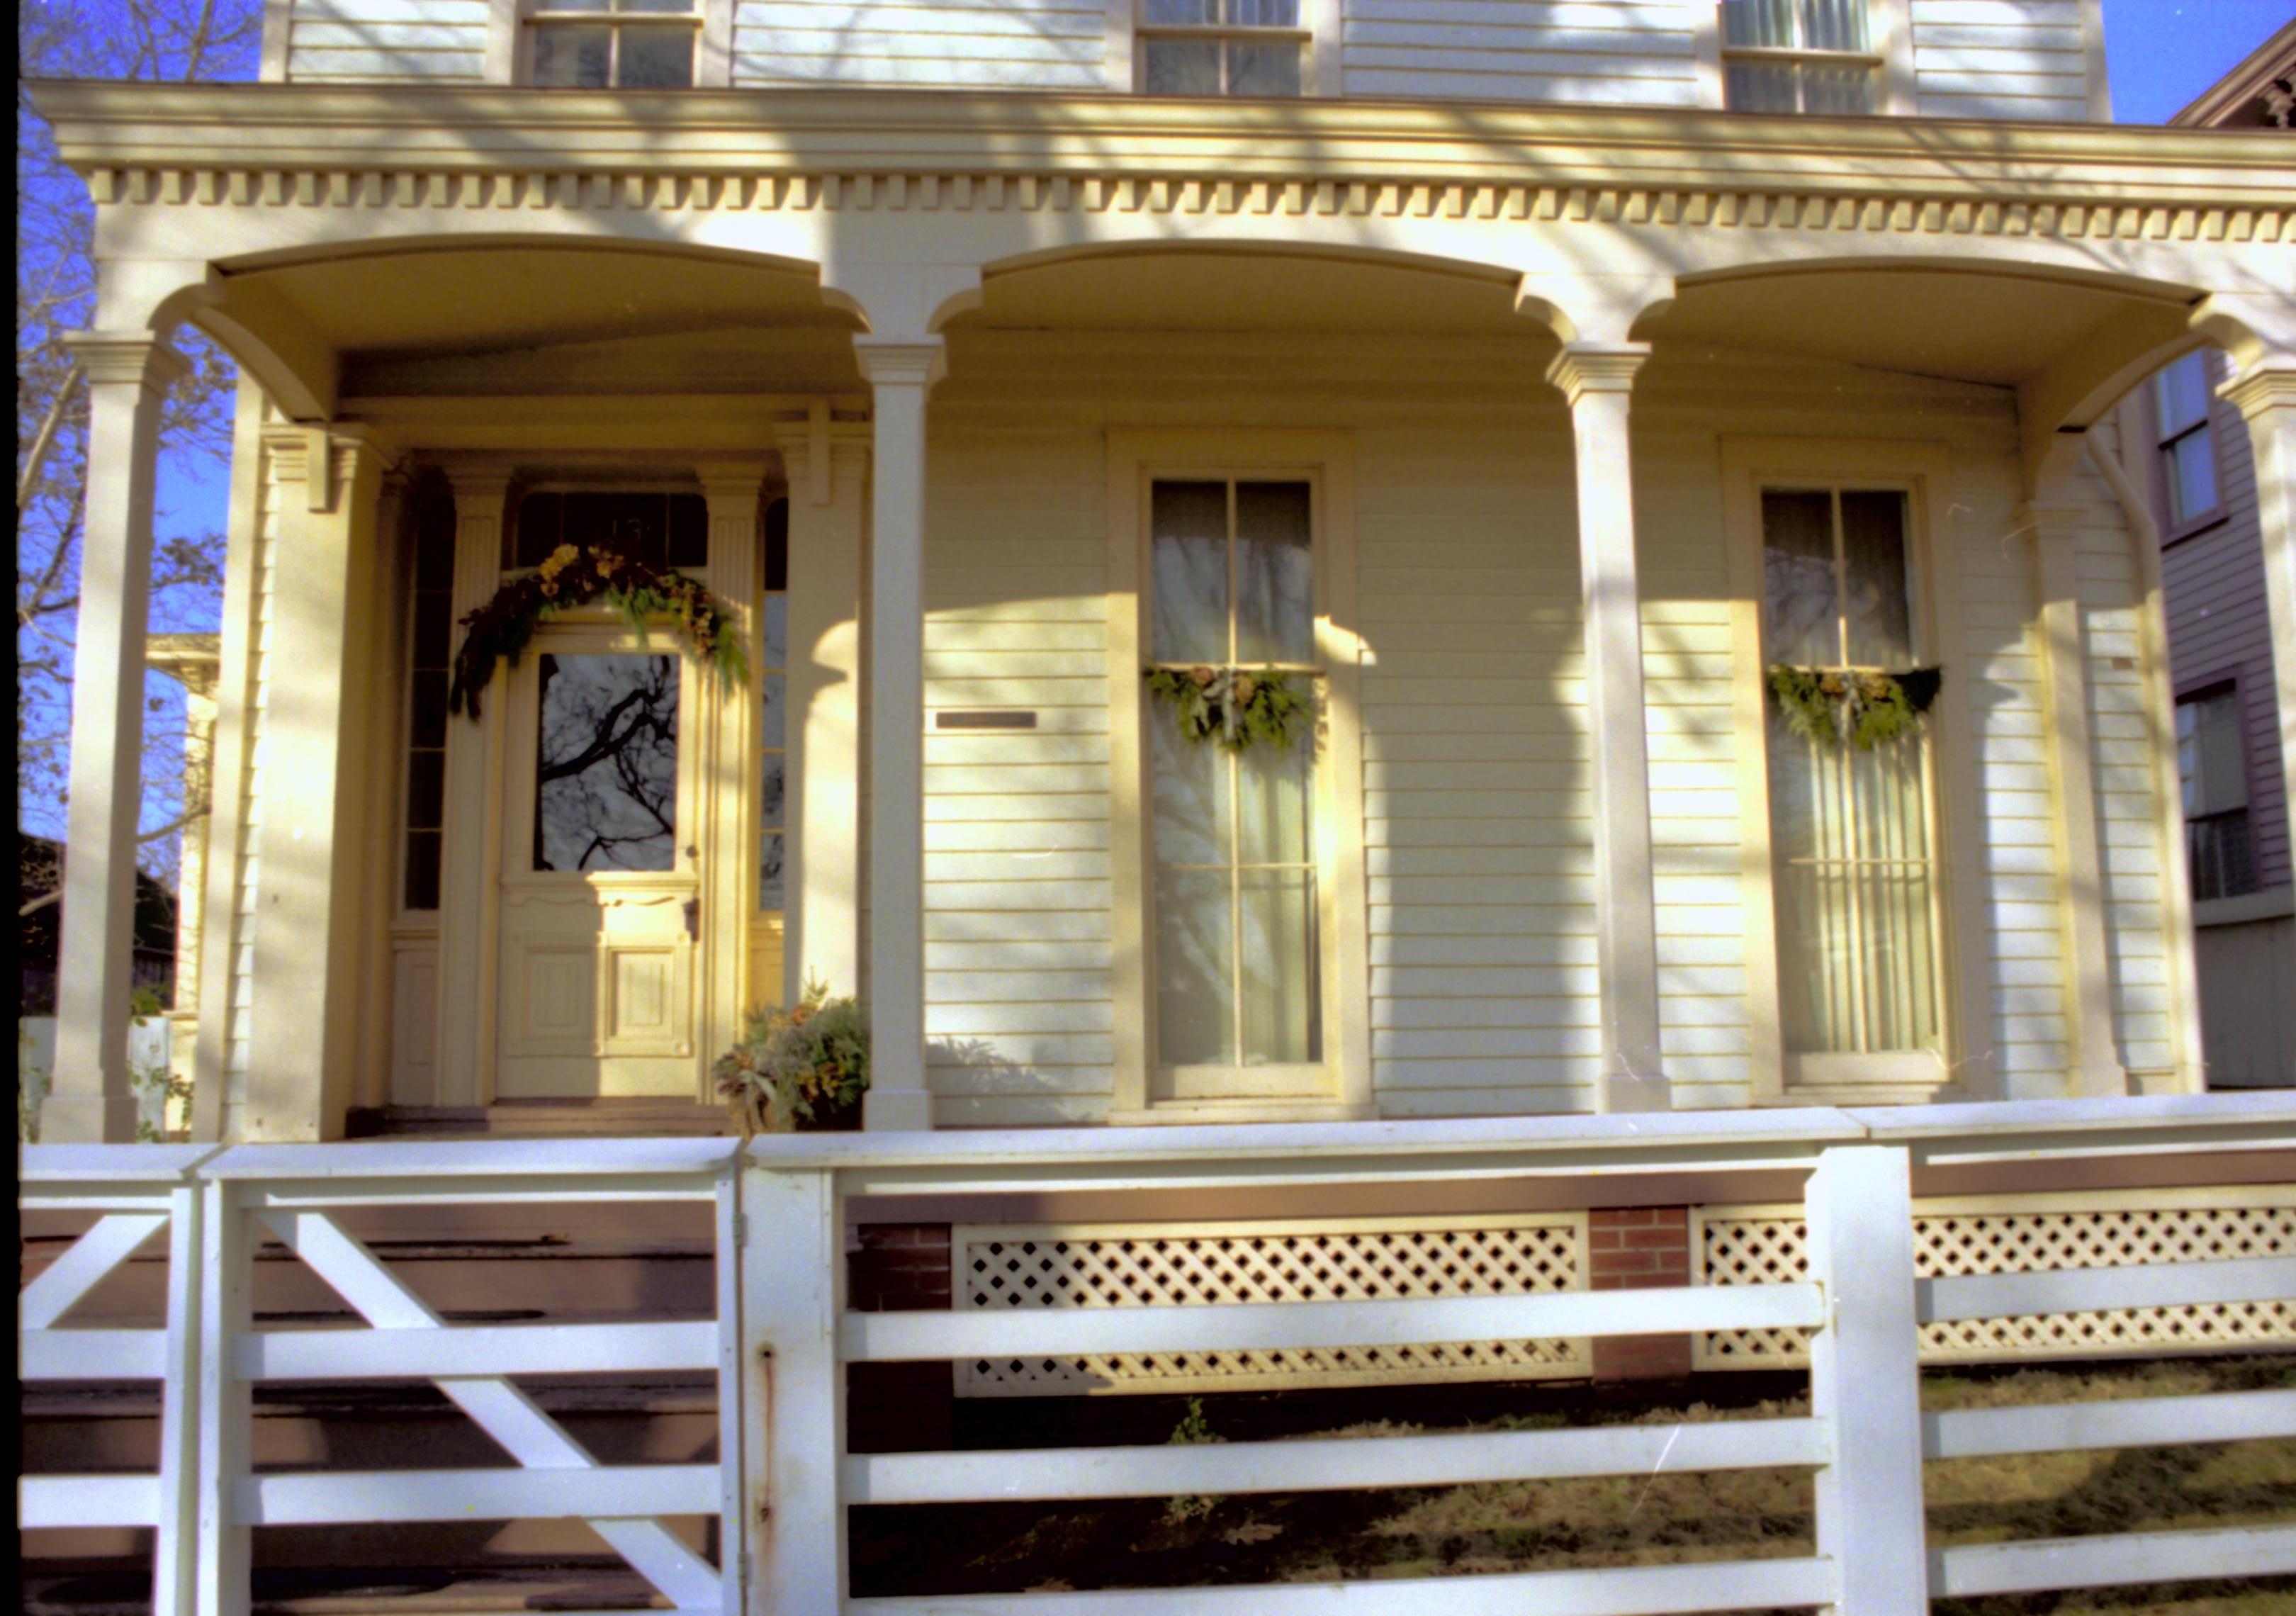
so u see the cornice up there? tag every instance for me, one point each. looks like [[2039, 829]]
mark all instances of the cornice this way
[[303, 146]]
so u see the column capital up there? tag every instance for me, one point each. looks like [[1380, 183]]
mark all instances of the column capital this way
[[108, 357], [1598, 367], [731, 480], [474, 484], [325, 456], [2268, 385], [906, 364]]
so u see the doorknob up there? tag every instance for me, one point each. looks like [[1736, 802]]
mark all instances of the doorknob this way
[[693, 918]]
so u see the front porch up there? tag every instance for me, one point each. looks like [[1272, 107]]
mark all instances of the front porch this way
[[1516, 454]]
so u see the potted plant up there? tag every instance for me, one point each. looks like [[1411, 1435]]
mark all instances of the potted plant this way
[[799, 1068]]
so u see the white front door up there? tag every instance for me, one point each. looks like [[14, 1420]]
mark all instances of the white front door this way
[[600, 885]]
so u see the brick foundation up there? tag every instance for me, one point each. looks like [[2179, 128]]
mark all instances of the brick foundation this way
[[1639, 1249], [890, 1408]]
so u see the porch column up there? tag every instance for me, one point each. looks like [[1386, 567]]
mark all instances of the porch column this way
[[828, 465], [2266, 396], [902, 375], [2093, 1061], [470, 835], [89, 1100], [729, 820], [315, 922], [1598, 382]]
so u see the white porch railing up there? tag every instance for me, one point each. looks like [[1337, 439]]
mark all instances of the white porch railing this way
[[781, 1491]]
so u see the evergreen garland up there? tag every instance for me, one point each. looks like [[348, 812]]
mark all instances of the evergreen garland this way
[[573, 576], [1829, 706], [1234, 707]]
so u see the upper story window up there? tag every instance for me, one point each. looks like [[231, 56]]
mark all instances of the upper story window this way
[[2212, 767], [1221, 47], [2188, 453], [631, 45], [1800, 56]]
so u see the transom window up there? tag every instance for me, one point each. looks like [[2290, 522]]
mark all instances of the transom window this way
[[662, 529], [1800, 56], [2212, 768], [2188, 451], [1221, 47], [631, 45], [1236, 897], [1860, 964]]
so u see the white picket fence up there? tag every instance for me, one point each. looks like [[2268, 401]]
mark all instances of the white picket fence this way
[[781, 1340]]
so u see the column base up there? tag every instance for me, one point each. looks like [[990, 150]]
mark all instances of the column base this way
[[2097, 1082], [87, 1120], [1634, 1091], [896, 1110]]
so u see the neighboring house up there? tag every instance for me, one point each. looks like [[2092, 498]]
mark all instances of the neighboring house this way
[[2188, 449], [39, 868], [1522, 385]]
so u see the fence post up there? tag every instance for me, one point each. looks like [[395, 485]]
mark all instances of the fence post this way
[[174, 1548], [734, 1403], [1865, 1380], [792, 1298], [226, 1281]]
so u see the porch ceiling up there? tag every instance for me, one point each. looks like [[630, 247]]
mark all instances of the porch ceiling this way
[[1995, 329]]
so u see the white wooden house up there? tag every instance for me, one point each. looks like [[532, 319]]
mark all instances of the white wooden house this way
[[1518, 380], [1527, 377]]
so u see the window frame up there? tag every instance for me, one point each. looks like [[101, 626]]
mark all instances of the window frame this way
[[2163, 475], [1891, 57], [1923, 472], [1317, 35], [1323, 459], [511, 42]]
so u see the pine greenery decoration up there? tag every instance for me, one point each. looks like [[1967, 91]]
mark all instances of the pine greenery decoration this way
[[1234, 707], [1831, 706], [573, 576]]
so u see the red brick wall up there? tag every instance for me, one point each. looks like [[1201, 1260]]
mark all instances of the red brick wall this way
[[890, 1407], [1639, 1249]]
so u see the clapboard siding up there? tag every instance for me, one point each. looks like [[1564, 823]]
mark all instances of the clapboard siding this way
[[247, 879], [1014, 45], [352, 41], [1477, 828], [1640, 52], [2007, 59]]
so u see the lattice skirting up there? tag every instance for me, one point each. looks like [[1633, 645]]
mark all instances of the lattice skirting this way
[[2018, 1234], [1359, 1260]]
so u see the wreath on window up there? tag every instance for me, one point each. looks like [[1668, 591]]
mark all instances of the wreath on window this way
[[1830, 706], [573, 576], [1234, 707]]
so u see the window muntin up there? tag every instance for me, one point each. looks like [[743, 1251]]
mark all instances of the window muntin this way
[[1236, 884], [776, 786], [1800, 56], [1221, 47], [1860, 957], [2188, 453], [2212, 769], [629, 44]]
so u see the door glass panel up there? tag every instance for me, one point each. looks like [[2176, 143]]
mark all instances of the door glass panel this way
[[606, 763]]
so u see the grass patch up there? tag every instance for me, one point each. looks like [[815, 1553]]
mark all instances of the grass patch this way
[[1665, 1519]]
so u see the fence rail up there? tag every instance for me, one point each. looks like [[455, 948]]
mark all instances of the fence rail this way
[[779, 1339]]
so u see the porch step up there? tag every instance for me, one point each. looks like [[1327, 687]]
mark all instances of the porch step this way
[[545, 1120]]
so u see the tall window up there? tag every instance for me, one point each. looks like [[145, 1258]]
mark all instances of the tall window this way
[[773, 713], [1800, 56], [2212, 767], [1238, 978], [631, 45], [1221, 47], [1858, 968], [2188, 453]]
